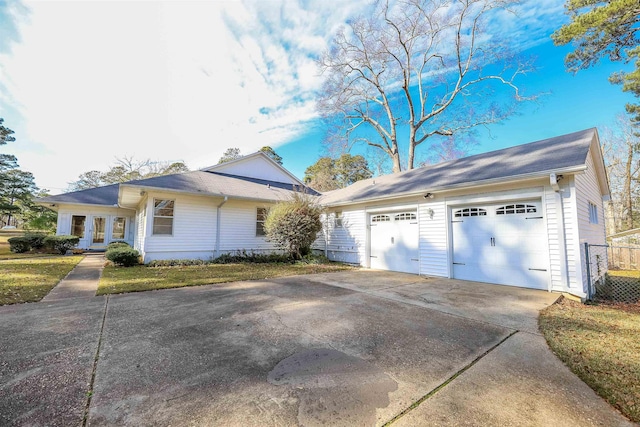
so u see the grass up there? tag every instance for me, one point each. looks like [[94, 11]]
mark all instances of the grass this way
[[600, 344], [29, 280], [117, 280], [5, 252]]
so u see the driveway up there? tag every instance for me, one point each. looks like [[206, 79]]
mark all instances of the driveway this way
[[349, 348]]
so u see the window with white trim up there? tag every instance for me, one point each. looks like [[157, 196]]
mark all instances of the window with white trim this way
[[380, 218], [261, 216], [337, 220], [119, 226], [516, 209], [593, 213], [405, 216], [163, 216], [470, 212]]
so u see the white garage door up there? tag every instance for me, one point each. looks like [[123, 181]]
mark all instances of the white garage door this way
[[503, 243], [394, 241]]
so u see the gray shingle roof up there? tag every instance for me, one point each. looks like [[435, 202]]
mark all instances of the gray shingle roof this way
[[199, 182], [561, 152], [107, 195], [216, 183]]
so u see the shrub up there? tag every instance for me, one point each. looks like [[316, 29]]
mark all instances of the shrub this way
[[176, 262], [294, 225], [125, 257], [19, 244], [118, 244], [253, 257], [60, 244], [314, 259], [36, 240]]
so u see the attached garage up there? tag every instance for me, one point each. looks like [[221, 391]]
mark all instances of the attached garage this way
[[394, 241], [518, 216], [503, 243]]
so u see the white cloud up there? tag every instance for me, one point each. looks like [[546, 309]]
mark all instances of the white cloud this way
[[167, 80], [170, 80]]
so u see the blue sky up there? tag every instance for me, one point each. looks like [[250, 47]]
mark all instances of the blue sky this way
[[82, 83]]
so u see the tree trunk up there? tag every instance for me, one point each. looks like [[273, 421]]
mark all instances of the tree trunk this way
[[395, 156], [628, 199]]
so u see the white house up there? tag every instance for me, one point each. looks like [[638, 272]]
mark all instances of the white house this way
[[518, 216]]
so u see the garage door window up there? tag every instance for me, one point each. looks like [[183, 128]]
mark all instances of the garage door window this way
[[515, 209], [380, 218], [470, 212], [407, 216]]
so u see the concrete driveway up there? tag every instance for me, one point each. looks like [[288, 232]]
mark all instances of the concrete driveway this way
[[350, 348]]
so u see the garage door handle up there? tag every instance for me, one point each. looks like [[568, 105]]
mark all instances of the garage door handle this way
[[372, 256], [534, 217], [537, 269], [459, 263]]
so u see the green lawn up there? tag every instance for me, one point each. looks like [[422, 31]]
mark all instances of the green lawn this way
[[600, 344], [117, 280], [29, 280]]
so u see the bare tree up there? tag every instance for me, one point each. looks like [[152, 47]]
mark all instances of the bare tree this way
[[429, 67], [127, 169], [621, 148]]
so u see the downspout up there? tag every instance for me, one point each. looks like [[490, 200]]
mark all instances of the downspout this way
[[217, 250], [326, 234], [564, 270]]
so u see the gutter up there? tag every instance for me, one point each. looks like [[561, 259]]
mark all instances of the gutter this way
[[217, 249], [205, 194]]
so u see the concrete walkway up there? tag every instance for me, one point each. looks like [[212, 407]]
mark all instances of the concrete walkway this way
[[81, 282]]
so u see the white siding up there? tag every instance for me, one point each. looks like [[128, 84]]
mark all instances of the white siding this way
[[346, 243], [238, 227], [255, 167], [141, 224], [587, 191], [556, 237], [433, 239], [194, 222]]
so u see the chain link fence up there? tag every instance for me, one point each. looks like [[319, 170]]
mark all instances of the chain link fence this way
[[613, 273]]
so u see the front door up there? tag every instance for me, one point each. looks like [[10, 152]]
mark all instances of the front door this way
[[99, 226]]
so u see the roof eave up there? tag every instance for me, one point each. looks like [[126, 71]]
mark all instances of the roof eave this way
[[504, 180], [199, 193], [49, 204]]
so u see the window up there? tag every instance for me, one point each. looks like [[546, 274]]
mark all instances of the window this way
[[405, 216], [515, 209], [119, 224], [163, 216], [593, 213], [337, 220], [470, 212], [77, 226], [380, 218], [261, 216]]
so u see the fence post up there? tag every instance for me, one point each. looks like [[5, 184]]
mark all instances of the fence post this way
[[588, 261]]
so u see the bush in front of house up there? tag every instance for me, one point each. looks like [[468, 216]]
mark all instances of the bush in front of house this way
[[19, 244], [294, 225], [118, 244], [124, 256], [251, 257], [36, 240], [60, 244]]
